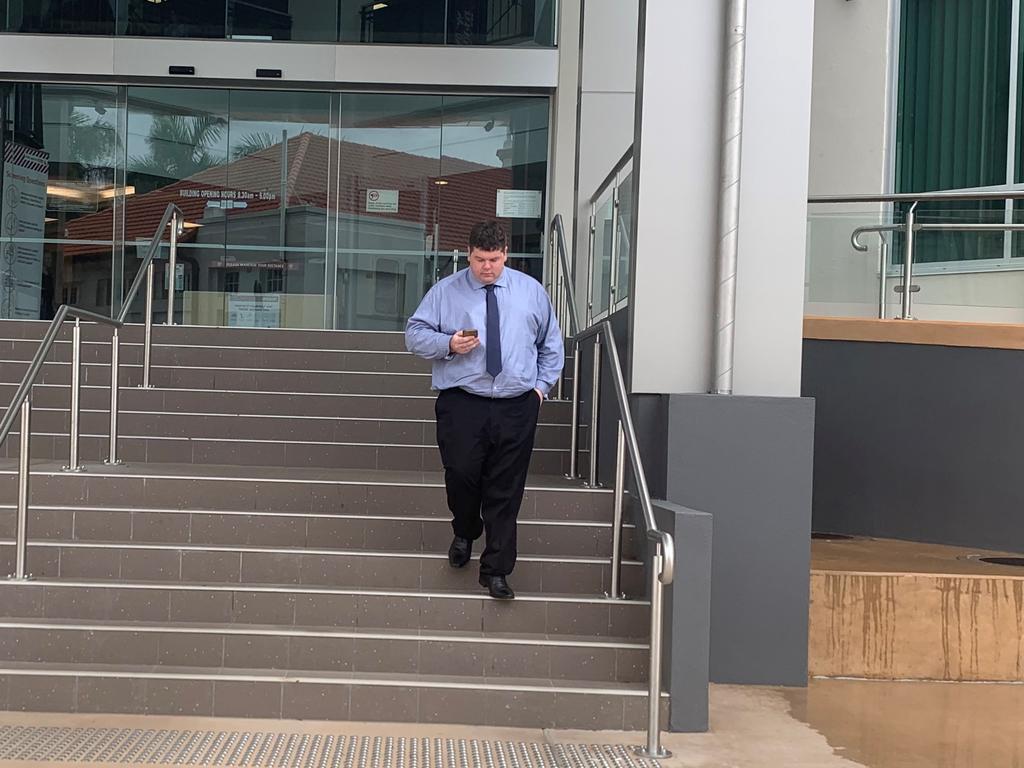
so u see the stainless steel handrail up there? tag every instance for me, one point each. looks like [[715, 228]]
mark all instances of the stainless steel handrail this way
[[21, 403], [663, 561], [921, 197], [910, 227], [610, 178]]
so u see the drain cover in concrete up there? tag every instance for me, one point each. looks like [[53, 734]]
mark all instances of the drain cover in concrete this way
[[296, 750]]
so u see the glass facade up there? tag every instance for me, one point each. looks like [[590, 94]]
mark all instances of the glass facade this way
[[422, 22], [303, 209]]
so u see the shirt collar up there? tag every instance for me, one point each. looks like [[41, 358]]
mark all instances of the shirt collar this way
[[502, 279]]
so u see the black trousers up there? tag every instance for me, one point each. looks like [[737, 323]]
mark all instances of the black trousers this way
[[485, 448]]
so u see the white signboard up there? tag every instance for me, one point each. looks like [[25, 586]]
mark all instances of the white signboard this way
[[254, 310], [382, 201], [518, 204], [22, 216]]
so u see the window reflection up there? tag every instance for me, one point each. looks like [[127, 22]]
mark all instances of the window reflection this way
[[302, 209]]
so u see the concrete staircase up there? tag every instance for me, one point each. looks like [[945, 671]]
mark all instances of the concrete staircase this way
[[275, 546]]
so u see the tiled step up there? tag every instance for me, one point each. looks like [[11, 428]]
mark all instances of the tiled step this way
[[322, 649], [94, 448], [208, 356], [355, 530], [223, 564], [282, 489], [278, 404], [325, 429], [247, 379], [323, 696], [466, 610], [234, 337]]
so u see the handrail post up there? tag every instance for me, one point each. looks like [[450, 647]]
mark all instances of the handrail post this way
[[147, 349], [908, 263], [620, 496], [172, 269], [115, 392], [595, 393], [883, 266], [76, 395], [574, 435], [21, 556], [654, 750]]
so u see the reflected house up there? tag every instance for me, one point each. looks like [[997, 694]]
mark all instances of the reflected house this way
[[387, 223]]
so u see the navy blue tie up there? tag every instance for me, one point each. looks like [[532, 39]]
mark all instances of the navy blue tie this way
[[493, 333]]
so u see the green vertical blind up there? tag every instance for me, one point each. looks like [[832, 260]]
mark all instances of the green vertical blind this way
[[953, 116]]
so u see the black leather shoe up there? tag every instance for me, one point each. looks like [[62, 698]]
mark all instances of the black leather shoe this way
[[459, 552], [497, 587]]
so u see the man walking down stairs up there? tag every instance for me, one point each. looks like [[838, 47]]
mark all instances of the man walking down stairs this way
[[491, 387]]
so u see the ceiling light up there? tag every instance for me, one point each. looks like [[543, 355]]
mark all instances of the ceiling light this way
[[191, 225], [441, 182], [379, 6], [107, 194], [69, 193]]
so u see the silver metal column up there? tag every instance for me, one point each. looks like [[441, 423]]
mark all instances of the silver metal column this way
[[908, 263], [115, 392], [76, 395], [620, 498], [147, 348], [21, 533], [590, 268], [729, 198], [172, 269], [595, 394], [654, 748], [883, 266], [574, 436]]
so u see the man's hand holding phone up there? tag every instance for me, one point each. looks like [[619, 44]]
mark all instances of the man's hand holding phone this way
[[464, 342]]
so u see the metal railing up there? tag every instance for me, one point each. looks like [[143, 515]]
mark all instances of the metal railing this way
[[626, 446], [21, 404], [615, 292], [910, 227]]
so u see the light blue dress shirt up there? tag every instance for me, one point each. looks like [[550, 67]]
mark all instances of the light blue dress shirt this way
[[532, 352]]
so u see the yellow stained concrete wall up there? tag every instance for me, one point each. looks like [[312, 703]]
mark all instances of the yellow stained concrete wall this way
[[916, 626]]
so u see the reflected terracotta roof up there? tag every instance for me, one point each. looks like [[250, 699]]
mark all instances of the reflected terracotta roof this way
[[468, 197]]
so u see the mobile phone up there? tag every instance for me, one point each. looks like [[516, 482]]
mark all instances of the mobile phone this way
[[471, 332]]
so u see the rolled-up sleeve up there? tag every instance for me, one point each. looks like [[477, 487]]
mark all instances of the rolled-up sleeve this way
[[423, 336], [550, 348]]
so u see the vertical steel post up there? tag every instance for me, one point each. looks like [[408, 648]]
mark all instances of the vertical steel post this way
[[172, 269], [654, 748], [883, 266], [908, 263], [595, 394], [147, 349], [115, 392], [21, 556], [76, 395], [574, 436], [620, 498]]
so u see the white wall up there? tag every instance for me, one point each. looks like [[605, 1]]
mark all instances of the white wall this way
[[607, 101], [679, 152]]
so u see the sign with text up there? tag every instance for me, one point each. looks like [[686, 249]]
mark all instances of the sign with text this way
[[254, 310], [22, 224], [382, 201], [518, 204]]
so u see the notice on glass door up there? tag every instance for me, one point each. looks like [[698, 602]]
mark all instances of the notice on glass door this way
[[518, 204], [382, 201], [22, 222]]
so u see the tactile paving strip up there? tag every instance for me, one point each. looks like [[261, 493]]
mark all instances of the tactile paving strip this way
[[297, 750]]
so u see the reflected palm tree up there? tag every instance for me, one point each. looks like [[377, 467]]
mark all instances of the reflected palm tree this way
[[181, 146]]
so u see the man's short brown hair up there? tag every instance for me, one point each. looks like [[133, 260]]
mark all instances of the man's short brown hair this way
[[488, 236]]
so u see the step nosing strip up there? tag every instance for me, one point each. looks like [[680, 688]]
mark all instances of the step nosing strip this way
[[242, 549], [314, 481], [443, 518], [309, 589], [285, 631], [355, 680], [315, 350]]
